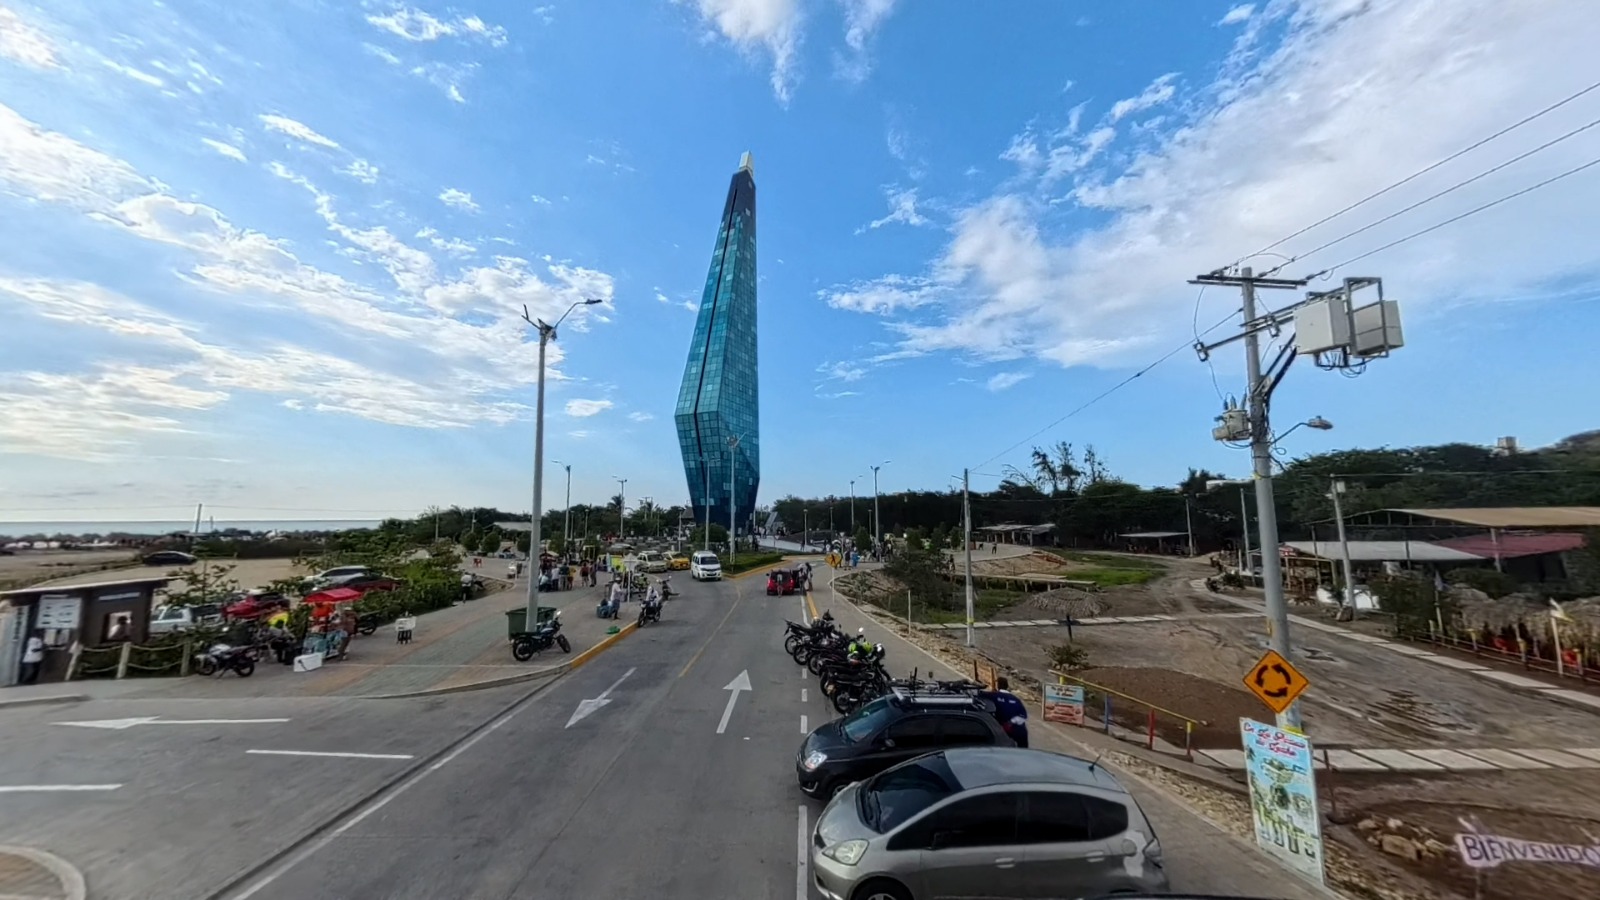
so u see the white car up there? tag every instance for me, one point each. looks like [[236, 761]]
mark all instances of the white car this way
[[704, 566], [653, 561]]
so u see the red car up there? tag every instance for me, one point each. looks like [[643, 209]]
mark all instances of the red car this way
[[780, 582], [256, 604]]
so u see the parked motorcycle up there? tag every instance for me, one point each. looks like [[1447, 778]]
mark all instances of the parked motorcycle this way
[[219, 658], [524, 646], [367, 623]]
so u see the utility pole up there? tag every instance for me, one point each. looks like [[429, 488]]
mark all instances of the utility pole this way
[[622, 508], [1245, 569], [1188, 522], [1337, 335], [1349, 596], [877, 516], [705, 464], [733, 504], [852, 508], [566, 531], [966, 544]]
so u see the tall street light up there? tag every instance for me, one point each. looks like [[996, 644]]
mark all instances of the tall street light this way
[[853, 508], [547, 333], [566, 533], [733, 503], [877, 519]]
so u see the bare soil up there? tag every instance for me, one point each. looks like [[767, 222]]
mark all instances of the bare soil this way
[[1218, 707], [28, 567], [250, 573]]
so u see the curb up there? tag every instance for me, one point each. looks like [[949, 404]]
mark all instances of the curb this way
[[553, 672], [72, 881], [44, 701]]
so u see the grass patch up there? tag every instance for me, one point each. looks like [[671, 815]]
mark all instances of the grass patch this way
[[1109, 570], [747, 561], [986, 604], [1116, 577]]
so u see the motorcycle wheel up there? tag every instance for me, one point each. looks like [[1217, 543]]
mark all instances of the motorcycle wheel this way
[[522, 649], [566, 645], [800, 654], [815, 663], [207, 666], [245, 667], [842, 702], [789, 643], [642, 618], [368, 629]]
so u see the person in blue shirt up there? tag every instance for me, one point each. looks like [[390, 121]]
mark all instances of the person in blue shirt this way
[[1010, 710]]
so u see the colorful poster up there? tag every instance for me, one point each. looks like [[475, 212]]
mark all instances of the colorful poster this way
[[1063, 703], [1283, 796]]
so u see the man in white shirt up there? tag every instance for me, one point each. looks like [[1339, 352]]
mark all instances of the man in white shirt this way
[[32, 659]]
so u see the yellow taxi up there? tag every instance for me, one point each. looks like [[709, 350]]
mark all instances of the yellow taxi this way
[[678, 563]]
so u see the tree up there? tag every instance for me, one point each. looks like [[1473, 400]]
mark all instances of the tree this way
[[204, 583], [697, 537], [863, 539], [490, 544], [524, 541]]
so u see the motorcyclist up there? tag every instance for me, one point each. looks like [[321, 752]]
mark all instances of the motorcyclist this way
[[860, 649], [652, 600]]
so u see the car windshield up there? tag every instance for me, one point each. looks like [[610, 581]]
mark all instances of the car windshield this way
[[866, 721], [900, 794]]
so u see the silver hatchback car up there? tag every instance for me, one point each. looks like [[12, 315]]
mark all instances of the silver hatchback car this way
[[985, 822]]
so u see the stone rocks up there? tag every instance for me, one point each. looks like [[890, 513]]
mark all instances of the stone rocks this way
[[1397, 838]]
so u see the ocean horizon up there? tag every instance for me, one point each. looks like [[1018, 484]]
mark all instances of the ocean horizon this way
[[19, 530]]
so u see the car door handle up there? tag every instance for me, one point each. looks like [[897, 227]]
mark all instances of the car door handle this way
[[1005, 862]]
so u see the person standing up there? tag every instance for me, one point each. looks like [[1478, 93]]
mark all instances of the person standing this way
[[1010, 710], [32, 659]]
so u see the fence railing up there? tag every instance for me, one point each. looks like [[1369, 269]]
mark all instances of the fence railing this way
[[1105, 703], [128, 658], [1577, 662]]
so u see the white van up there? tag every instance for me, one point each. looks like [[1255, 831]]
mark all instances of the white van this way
[[704, 566]]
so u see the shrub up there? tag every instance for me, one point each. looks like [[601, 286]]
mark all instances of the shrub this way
[[1068, 657]]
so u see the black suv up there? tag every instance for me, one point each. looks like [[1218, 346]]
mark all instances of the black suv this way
[[890, 730]]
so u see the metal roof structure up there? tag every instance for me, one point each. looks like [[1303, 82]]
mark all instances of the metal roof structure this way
[[131, 583], [1511, 516], [1385, 551], [514, 526], [1008, 529], [1154, 534], [1514, 546]]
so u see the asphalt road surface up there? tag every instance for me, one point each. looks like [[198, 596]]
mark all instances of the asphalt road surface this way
[[631, 777]]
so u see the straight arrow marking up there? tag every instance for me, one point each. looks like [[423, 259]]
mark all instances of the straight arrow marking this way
[[121, 724], [734, 687], [587, 707]]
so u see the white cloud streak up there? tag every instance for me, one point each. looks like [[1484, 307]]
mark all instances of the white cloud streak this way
[[25, 44], [583, 409], [226, 149], [459, 199], [770, 25], [297, 130]]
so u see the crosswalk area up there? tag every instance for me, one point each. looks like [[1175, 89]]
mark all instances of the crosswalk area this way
[[1436, 759]]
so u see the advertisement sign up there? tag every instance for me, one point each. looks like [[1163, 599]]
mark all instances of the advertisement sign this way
[[1063, 703], [58, 611], [1283, 796]]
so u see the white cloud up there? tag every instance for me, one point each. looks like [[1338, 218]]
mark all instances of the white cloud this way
[[580, 434], [95, 416], [47, 165], [362, 171], [135, 74], [889, 294], [640, 416], [1416, 82], [297, 130], [772, 25], [1238, 14], [446, 77], [459, 199], [226, 149], [1158, 92], [902, 209], [841, 371], [455, 246], [1003, 380], [382, 54], [21, 42], [541, 201], [862, 19], [582, 409], [416, 25]]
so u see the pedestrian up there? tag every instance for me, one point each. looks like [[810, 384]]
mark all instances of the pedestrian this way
[[1010, 710], [32, 659]]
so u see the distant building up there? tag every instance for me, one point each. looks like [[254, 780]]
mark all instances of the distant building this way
[[719, 412]]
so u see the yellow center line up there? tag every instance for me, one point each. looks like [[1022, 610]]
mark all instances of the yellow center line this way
[[738, 595]]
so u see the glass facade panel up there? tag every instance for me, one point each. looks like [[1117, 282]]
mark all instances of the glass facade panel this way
[[719, 399]]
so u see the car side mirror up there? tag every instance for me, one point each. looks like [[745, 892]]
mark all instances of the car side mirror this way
[[886, 742], [939, 841]]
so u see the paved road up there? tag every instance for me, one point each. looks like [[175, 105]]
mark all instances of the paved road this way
[[642, 797]]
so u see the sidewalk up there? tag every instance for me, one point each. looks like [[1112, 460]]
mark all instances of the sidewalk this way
[[456, 648]]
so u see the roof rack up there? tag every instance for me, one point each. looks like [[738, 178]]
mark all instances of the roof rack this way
[[935, 698]]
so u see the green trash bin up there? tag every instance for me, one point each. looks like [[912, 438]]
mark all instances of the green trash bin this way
[[517, 619]]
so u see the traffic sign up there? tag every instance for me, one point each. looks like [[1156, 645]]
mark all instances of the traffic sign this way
[[1275, 681]]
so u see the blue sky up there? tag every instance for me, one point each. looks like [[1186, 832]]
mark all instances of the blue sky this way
[[273, 256]]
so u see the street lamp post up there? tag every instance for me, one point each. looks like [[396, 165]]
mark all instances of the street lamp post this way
[[566, 532], [547, 333], [733, 504], [1349, 598], [877, 518], [852, 508]]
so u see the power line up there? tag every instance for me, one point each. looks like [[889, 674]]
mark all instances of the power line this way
[[1456, 218], [1108, 392], [1432, 197], [1426, 169]]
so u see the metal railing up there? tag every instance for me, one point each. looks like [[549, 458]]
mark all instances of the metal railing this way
[[1151, 711]]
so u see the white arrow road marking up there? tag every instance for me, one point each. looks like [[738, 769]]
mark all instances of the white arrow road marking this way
[[43, 788], [737, 685], [587, 707], [120, 724]]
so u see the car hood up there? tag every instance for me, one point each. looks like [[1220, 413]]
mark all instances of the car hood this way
[[828, 738], [840, 821]]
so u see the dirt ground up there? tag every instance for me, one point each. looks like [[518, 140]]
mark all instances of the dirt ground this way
[[27, 565], [250, 573], [1218, 706]]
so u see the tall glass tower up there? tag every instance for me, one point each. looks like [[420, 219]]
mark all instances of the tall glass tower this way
[[719, 407]]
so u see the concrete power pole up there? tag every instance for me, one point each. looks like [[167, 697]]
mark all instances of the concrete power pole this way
[[1349, 597], [966, 544], [1337, 335]]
